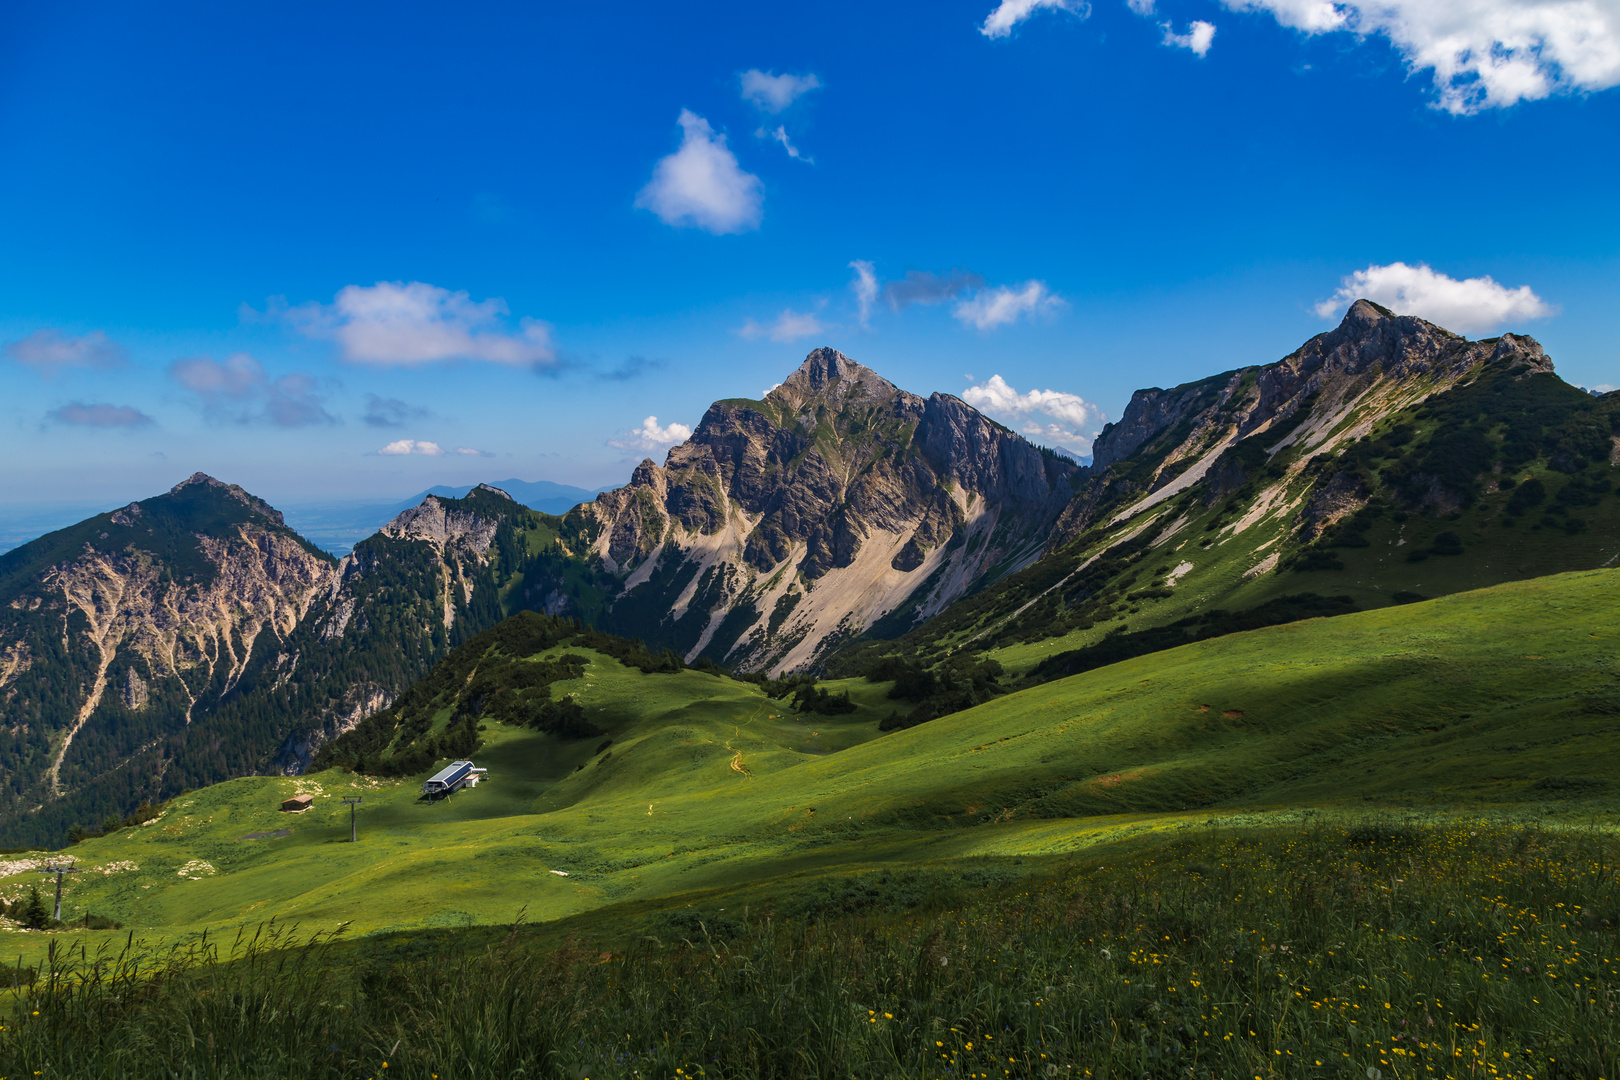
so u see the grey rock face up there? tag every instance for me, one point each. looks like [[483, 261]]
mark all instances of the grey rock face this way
[[837, 497], [1371, 352]]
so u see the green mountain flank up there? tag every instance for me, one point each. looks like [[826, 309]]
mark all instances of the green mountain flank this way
[[1385, 462], [1500, 700]]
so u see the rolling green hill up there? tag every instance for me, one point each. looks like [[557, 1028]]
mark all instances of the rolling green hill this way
[[1501, 700]]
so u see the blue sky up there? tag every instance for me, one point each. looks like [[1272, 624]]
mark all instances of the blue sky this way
[[272, 242]]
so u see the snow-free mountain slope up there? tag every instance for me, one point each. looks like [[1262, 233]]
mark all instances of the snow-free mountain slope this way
[[1386, 460], [785, 525]]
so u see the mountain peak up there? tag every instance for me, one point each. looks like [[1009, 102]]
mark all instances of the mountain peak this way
[[824, 365], [233, 491], [827, 373], [1365, 313], [493, 490], [196, 479]]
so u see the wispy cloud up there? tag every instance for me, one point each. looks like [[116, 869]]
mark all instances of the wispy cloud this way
[[976, 304], [990, 308], [238, 390], [1197, 40], [384, 412], [790, 325], [467, 451], [50, 351], [865, 287], [100, 416], [402, 447], [1483, 54], [701, 185], [410, 324], [1054, 417], [773, 93], [780, 135], [1009, 13], [649, 436], [1471, 305]]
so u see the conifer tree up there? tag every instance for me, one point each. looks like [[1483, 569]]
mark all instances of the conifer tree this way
[[36, 916]]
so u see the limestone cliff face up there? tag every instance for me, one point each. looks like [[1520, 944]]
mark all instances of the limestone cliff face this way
[[787, 524], [119, 628], [1374, 364]]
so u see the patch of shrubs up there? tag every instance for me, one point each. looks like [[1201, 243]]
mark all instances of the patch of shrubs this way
[[959, 683], [112, 823]]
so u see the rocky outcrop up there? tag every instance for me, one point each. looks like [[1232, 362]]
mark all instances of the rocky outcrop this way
[[785, 524], [358, 702], [446, 527], [148, 611], [1372, 364]]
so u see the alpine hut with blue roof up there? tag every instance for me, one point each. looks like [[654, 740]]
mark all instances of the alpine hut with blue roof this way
[[452, 778]]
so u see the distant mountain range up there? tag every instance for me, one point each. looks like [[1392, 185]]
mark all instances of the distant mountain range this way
[[336, 526], [333, 525], [836, 523]]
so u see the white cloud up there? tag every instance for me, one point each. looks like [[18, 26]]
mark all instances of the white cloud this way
[[990, 308], [1467, 306], [1141, 7], [50, 351], [467, 451], [768, 390], [865, 287], [1065, 415], [1009, 13], [702, 185], [649, 436], [239, 390], [1483, 54], [773, 93], [790, 325], [401, 447], [780, 135], [1197, 39], [408, 324]]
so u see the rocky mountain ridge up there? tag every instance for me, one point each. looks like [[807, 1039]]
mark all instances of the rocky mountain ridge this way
[[1277, 483], [839, 500], [1374, 364], [191, 637]]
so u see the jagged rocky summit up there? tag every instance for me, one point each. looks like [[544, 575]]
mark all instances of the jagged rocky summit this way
[[836, 503], [1372, 365]]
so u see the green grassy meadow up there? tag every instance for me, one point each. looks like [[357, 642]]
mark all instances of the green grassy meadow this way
[[1501, 701]]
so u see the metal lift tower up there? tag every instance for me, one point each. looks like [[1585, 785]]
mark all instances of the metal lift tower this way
[[59, 869], [351, 803]]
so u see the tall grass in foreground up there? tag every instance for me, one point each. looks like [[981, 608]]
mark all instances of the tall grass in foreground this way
[[1385, 952]]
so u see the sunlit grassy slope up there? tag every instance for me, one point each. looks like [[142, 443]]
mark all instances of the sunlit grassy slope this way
[[1504, 695]]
